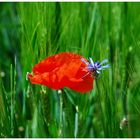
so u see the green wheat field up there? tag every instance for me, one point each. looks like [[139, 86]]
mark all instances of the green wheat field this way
[[30, 32]]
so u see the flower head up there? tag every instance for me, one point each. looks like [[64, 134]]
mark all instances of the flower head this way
[[97, 66], [62, 70]]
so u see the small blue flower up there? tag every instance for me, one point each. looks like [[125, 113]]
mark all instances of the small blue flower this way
[[96, 66]]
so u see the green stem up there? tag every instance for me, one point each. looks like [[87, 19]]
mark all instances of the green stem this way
[[76, 123], [100, 106], [61, 113]]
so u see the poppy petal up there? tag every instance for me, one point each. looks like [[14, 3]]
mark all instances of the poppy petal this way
[[63, 70], [52, 62], [84, 86]]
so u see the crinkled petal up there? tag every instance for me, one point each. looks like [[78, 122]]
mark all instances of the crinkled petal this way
[[63, 70], [52, 62], [85, 85]]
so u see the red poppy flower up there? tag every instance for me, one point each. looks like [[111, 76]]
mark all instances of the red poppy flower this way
[[63, 70]]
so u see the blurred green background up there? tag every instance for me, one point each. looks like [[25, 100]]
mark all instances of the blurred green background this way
[[29, 32]]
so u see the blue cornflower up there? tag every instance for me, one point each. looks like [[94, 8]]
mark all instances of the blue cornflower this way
[[96, 66]]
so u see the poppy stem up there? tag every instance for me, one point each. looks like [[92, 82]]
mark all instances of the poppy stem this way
[[61, 112], [100, 105], [76, 123]]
